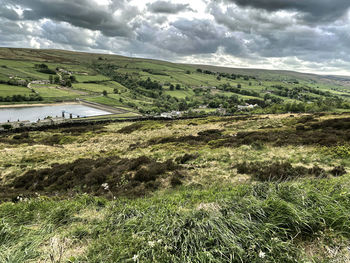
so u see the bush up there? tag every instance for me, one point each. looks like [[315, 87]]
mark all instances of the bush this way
[[338, 171], [7, 126], [277, 171]]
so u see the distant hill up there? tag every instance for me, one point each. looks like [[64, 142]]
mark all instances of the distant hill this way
[[152, 86]]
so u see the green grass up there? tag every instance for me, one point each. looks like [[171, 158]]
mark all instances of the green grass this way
[[55, 93], [83, 78], [92, 87], [214, 212], [9, 90], [181, 94], [105, 100], [260, 223]]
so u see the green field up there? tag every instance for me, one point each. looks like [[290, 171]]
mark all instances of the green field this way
[[181, 94], [144, 84], [83, 78], [9, 90], [55, 93], [105, 100], [95, 88]]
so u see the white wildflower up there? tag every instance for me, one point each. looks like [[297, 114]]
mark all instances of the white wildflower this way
[[135, 258], [151, 243], [105, 186], [159, 241], [262, 254]]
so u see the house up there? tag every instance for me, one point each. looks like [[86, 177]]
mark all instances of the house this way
[[65, 71], [247, 106], [43, 81], [221, 111], [172, 114]]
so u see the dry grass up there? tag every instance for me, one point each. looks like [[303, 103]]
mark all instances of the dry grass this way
[[212, 163]]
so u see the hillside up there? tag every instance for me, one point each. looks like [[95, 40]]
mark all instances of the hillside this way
[[266, 188], [151, 87], [255, 170]]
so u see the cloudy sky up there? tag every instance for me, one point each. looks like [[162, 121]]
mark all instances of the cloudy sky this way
[[301, 35]]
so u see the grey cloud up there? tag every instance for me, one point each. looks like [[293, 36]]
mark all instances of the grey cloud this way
[[167, 7], [269, 34], [64, 33], [312, 10], [82, 13], [187, 37], [8, 13], [250, 20]]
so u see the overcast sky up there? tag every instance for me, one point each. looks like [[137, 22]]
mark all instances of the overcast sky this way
[[301, 35]]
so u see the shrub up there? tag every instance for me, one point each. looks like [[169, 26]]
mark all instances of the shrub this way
[[277, 171], [7, 126], [338, 171]]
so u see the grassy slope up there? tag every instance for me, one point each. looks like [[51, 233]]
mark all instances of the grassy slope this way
[[9, 90], [218, 214]]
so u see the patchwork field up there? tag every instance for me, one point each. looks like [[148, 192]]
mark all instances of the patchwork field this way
[[151, 87], [258, 188]]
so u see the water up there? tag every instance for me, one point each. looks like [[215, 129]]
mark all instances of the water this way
[[33, 113]]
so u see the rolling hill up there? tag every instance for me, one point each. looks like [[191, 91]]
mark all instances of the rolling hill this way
[[152, 87], [221, 189]]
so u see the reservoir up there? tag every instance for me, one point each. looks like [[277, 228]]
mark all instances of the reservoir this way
[[33, 113]]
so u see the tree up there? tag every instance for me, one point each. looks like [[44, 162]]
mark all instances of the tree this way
[[68, 83], [104, 93], [239, 86], [178, 87], [172, 87], [51, 79], [73, 78], [57, 80], [218, 78]]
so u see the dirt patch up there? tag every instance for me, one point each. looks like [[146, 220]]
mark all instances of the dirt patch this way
[[287, 137], [278, 171], [326, 133], [338, 171], [131, 128], [240, 118], [201, 138], [55, 136], [104, 176], [186, 158], [78, 130], [305, 119], [337, 124]]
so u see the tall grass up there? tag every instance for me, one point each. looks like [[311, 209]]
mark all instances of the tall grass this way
[[266, 222], [262, 223]]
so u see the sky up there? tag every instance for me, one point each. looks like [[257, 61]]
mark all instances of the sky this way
[[300, 35]]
